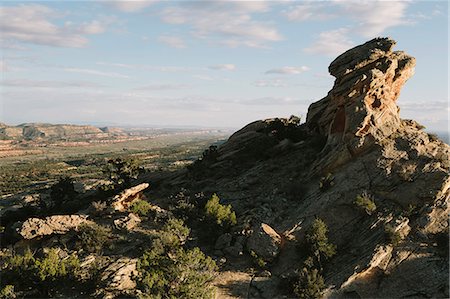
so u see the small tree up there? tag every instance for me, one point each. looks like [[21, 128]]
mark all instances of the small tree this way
[[168, 270], [221, 214], [317, 240], [63, 190], [93, 237], [121, 172], [140, 207], [310, 284], [365, 202]]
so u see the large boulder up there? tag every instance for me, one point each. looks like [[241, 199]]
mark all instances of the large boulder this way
[[265, 242], [122, 201], [58, 224]]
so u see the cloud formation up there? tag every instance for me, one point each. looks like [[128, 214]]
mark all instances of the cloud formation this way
[[130, 5], [223, 67], [331, 43], [172, 41], [95, 72], [288, 70], [48, 84], [30, 23], [270, 83], [226, 22], [369, 20]]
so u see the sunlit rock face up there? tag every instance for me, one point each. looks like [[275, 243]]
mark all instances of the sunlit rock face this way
[[361, 108]]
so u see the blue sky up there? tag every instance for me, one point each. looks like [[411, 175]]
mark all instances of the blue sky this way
[[208, 63]]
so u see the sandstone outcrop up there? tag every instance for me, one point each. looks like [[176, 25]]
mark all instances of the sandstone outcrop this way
[[122, 201], [59, 224], [355, 137]]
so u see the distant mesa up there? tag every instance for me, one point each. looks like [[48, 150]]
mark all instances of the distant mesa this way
[[42, 131]]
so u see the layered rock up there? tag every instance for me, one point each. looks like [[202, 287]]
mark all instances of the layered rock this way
[[122, 201], [58, 224], [361, 108], [355, 138]]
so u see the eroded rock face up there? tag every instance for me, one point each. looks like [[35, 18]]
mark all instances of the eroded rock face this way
[[118, 278], [122, 201], [265, 242], [59, 224], [361, 108]]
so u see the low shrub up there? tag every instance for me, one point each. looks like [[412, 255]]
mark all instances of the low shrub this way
[[93, 237], [317, 240], [326, 182], [310, 284], [7, 292], [122, 171], [221, 214], [365, 202], [43, 274], [48, 268], [174, 233], [168, 270], [258, 260], [392, 235], [140, 207]]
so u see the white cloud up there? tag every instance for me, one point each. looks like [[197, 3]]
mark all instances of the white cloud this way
[[308, 11], [270, 83], [162, 86], [288, 70], [130, 5], [226, 22], [173, 41], [374, 17], [93, 27], [203, 77], [223, 67], [48, 84], [95, 72], [162, 68], [331, 43], [30, 23]]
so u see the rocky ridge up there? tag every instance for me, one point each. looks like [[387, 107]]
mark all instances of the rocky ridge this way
[[280, 176], [353, 143]]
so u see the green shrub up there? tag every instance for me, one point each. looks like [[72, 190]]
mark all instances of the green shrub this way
[[326, 182], [258, 260], [365, 202], [63, 190], [140, 207], [48, 268], [317, 240], [174, 233], [168, 270], [93, 237], [221, 214], [310, 284], [392, 235], [52, 266], [121, 172], [7, 292]]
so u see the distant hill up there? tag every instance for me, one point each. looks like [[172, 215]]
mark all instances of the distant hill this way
[[44, 131]]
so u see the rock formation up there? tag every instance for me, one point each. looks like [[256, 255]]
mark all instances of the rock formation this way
[[353, 143], [58, 224], [122, 201], [379, 185]]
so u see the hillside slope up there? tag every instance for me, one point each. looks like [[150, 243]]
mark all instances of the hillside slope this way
[[352, 144], [351, 204]]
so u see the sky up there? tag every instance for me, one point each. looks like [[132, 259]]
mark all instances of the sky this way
[[205, 63]]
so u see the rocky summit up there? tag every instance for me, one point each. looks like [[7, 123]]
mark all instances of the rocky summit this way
[[351, 203], [354, 145]]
